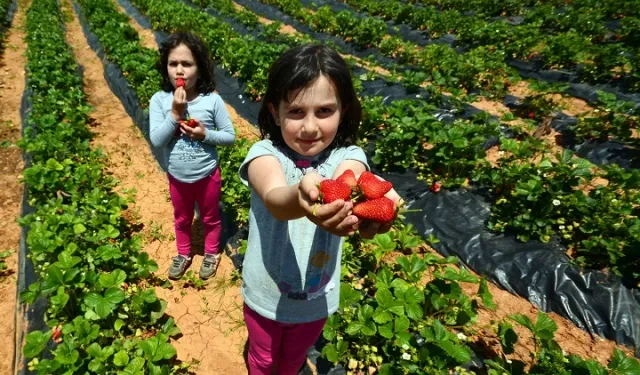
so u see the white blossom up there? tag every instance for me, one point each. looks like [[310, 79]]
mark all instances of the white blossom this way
[[406, 356], [556, 202], [462, 336]]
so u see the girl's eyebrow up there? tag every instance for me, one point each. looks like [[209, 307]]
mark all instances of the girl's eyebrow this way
[[332, 103]]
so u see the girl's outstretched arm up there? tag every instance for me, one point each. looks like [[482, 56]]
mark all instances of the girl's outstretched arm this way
[[289, 202]]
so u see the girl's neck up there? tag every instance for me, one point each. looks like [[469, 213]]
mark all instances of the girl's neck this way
[[307, 160], [192, 94]]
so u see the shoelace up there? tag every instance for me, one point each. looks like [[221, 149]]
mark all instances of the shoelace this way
[[177, 261], [209, 262]]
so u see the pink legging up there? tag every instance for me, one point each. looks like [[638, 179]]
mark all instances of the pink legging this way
[[183, 196], [281, 346]]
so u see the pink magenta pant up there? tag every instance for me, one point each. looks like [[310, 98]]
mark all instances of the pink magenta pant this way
[[183, 196], [280, 346]]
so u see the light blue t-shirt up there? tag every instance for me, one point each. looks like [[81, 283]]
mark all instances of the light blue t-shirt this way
[[186, 159], [291, 269]]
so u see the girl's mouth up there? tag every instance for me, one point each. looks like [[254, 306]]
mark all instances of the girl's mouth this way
[[308, 141]]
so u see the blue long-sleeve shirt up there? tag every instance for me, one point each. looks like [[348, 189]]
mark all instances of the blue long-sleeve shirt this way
[[186, 159]]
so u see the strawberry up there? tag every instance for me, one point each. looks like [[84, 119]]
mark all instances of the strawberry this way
[[531, 115], [57, 334], [349, 178], [372, 187], [435, 187], [332, 190], [190, 123], [179, 82], [381, 210]]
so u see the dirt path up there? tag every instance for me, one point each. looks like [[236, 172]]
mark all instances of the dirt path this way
[[210, 319], [12, 75]]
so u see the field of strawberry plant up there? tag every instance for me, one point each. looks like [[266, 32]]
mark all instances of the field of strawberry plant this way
[[549, 174]]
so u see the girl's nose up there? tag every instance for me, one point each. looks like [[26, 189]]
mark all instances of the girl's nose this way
[[309, 126]]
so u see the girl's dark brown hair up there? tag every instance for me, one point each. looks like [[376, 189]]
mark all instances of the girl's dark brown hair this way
[[201, 53], [295, 69]]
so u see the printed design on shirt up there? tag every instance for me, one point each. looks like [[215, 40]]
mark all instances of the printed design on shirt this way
[[317, 285], [188, 149]]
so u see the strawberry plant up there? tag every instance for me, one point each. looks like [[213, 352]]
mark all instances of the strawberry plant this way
[[548, 358], [102, 313]]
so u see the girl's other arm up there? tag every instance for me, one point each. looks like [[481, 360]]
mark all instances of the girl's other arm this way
[[290, 202], [225, 135], [161, 127]]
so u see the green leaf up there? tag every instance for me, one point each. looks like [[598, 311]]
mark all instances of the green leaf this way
[[66, 260], [413, 295], [545, 327], [156, 350], [348, 295], [623, 365], [330, 352], [79, 228], [353, 328], [36, 342], [523, 320], [382, 316], [95, 350], [117, 325], [414, 311], [401, 324], [113, 279], [440, 332], [104, 305], [485, 294], [121, 359], [458, 352], [386, 330], [65, 352]]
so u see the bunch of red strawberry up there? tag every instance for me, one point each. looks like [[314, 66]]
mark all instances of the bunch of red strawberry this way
[[367, 193]]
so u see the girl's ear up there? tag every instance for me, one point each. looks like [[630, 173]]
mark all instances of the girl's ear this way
[[274, 113]]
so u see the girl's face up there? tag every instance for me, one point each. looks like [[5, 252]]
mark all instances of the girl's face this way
[[309, 123], [182, 64]]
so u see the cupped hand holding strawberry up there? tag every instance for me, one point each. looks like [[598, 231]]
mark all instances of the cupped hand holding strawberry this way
[[335, 217], [193, 129]]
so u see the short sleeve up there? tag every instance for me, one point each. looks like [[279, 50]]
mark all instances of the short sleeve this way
[[260, 148], [355, 153]]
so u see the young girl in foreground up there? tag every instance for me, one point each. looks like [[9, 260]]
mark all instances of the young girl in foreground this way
[[291, 272], [188, 85]]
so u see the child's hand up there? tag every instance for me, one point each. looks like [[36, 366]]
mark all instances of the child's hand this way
[[196, 132], [334, 217], [179, 103]]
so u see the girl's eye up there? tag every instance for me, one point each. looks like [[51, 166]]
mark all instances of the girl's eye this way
[[295, 111]]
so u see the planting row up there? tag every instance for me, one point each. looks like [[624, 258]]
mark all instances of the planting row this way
[[553, 38], [103, 315]]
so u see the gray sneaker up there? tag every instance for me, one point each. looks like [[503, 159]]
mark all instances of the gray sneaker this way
[[179, 264], [209, 265]]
